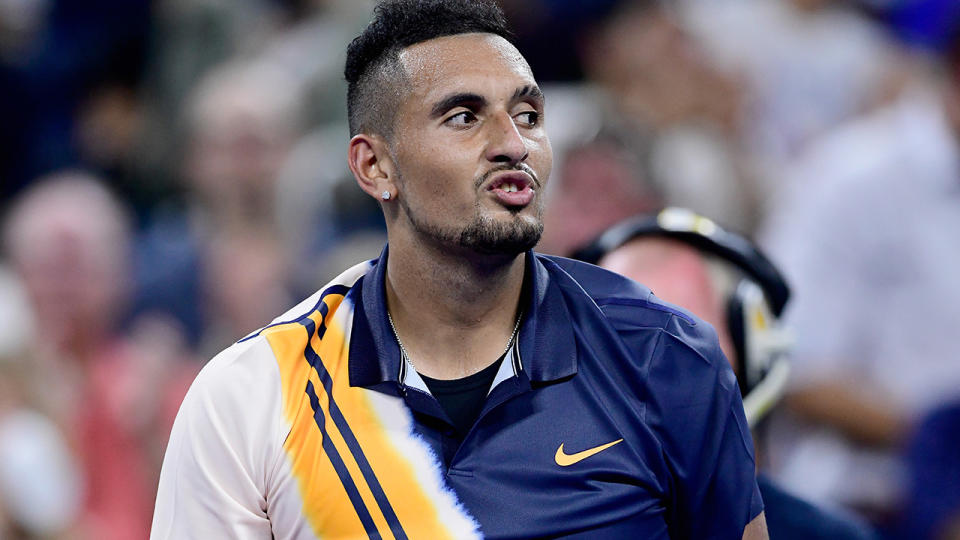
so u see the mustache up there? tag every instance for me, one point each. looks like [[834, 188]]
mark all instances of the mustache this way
[[521, 167]]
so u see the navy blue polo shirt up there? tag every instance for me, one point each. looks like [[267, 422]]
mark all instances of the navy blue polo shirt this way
[[614, 414]]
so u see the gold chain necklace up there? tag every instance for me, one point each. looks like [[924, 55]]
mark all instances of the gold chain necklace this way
[[406, 357]]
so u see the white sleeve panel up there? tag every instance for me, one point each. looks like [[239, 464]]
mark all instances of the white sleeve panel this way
[[225, 444]]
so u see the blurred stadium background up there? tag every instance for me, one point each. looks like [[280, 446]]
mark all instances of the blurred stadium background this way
[[172, 176]]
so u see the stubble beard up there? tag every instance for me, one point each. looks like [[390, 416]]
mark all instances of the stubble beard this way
[[483, 234]]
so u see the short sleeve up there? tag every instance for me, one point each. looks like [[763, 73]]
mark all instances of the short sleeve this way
[[221, 449], [698, 412]]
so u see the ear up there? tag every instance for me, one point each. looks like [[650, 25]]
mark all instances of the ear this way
[[371, 165]]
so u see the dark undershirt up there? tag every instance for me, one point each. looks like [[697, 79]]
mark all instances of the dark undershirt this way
[[462, 399]]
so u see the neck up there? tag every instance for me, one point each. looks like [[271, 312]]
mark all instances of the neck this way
[[454, 311]]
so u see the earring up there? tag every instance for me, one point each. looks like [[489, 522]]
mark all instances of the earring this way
[[385, 195]]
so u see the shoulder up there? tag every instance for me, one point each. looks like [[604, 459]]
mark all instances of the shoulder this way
[[240, 369], [670, 363], [235, 395], [632, 311], [606, 289], [249, 375], [319, 301]]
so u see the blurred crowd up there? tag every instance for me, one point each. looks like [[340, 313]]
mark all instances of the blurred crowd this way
[[173, 176]]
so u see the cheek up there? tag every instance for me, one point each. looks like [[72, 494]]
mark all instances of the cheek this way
[[434, 175], [541, 157]]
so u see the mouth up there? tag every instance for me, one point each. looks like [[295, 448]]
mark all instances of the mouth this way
[[512, 188]]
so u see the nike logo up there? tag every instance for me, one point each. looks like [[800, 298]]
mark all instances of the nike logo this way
[[565, 460]]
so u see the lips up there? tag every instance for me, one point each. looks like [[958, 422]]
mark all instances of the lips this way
[[512, 188]]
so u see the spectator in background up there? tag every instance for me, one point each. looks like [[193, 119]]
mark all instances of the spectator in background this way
[[241, 120], [867, 235], [68, 69], [805, 66], [687, 260], [224, 244], [39, 478], [601, 184], [191, 38], [675, 111], [667, 132], [67, 239], [549, 32]]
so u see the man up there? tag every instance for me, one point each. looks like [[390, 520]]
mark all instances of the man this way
[[461, 385], [226, 242], [67, 238], [725, 279]]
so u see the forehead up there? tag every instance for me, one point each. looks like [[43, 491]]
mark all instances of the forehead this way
[[464, 62]]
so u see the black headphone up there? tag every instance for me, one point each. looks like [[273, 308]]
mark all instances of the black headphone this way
[[753, 309]]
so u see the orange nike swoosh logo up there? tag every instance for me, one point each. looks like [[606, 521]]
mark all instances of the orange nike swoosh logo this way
[[565, 460]]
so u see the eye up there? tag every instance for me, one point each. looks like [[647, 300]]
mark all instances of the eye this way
[[528, 118], [461, 119]]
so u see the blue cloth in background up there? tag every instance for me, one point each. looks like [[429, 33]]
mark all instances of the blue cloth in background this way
[[168, 271], [79, 46], [933, 461], [791, 518], [930, 24]]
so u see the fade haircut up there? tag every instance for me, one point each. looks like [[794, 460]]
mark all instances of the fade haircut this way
[[375, 77]]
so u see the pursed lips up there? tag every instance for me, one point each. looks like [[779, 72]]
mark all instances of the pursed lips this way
[[512, 188], [519, 177], [511, 181]]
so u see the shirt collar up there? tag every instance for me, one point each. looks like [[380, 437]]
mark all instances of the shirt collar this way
[[545, 350]]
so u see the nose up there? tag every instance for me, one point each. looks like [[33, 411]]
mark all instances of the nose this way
[[505, 145]]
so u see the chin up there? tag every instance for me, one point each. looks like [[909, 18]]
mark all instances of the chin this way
[[500, 232], [502, 237]]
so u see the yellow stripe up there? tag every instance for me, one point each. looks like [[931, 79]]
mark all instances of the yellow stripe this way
[[401, 482], [332, 349], [326, 507], [329, 511], [416, 512]]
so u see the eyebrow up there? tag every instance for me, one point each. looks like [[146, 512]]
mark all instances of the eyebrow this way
[[457, 100], [530, 90], [476, 101]]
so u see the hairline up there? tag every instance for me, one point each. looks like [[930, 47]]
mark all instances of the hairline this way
[[376, 81], [391, 63]]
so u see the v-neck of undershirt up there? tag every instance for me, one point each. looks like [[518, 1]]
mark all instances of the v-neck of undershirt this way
[[462, 399]]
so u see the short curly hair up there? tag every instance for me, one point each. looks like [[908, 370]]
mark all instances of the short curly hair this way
[[373, 71]]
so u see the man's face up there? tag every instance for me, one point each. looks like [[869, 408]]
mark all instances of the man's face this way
[[469, 146]]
